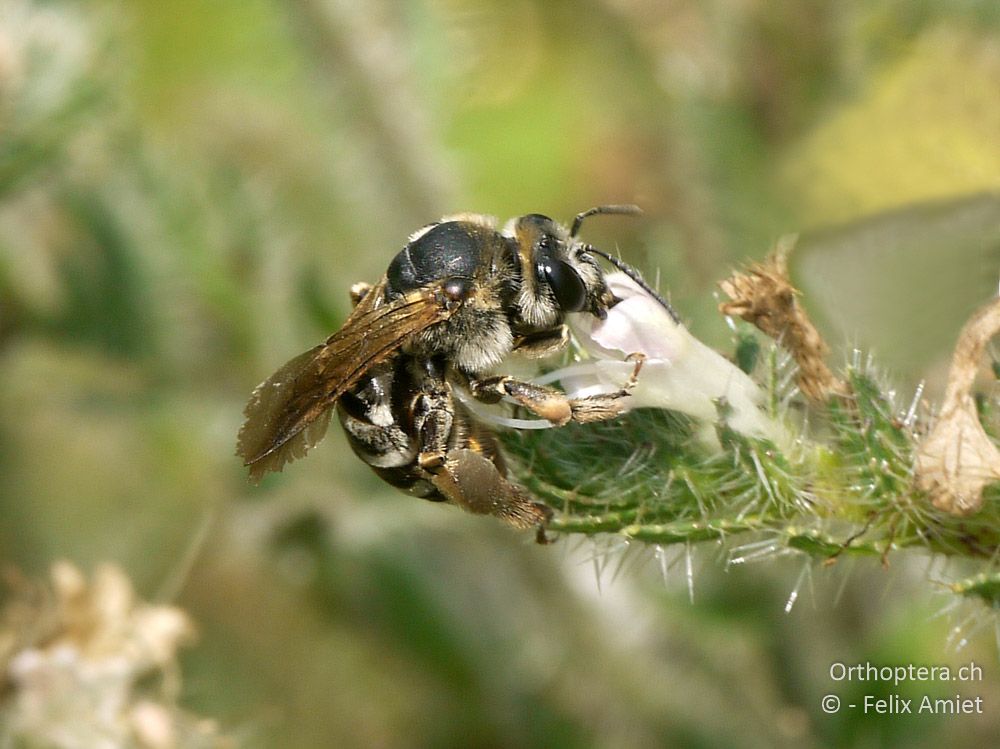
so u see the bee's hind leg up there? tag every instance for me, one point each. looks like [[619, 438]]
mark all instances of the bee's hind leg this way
[[358, 292], [471, 481], [472, 477]]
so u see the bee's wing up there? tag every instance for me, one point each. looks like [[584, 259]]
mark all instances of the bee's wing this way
[[289, 412]]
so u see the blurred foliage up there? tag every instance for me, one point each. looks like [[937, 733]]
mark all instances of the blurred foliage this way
[[188, 189]]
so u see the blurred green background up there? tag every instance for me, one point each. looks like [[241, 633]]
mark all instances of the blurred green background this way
[[188, 189]]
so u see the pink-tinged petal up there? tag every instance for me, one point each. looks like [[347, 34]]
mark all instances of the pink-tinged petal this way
[[680, 372]]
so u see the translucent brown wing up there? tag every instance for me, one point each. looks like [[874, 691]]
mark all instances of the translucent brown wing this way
[[289, 412]]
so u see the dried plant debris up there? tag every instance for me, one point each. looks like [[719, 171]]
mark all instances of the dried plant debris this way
[[957, 460], [765, 297], [86, 664]]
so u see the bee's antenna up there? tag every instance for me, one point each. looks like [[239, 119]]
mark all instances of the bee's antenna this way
[[621, 210], [632, 273]]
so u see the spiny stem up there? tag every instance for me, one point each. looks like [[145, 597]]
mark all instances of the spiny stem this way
[[845, 488]]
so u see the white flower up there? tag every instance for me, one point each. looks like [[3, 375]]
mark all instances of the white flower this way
[[680, 372]]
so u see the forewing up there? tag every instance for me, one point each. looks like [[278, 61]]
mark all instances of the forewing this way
[[289, 412]]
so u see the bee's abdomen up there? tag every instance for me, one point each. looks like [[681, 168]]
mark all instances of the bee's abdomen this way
[[388, 448], [383, 418]]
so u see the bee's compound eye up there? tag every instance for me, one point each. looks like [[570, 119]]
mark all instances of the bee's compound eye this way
[[457, 289], [566, 284]]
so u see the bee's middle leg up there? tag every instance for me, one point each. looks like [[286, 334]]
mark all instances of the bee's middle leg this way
[[434, 418], [552, 404], [607, 405]]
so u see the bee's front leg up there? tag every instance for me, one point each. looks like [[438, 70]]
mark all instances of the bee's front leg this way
[[552, 404], [540, 345]]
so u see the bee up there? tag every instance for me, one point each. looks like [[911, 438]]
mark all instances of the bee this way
[[461, 296]]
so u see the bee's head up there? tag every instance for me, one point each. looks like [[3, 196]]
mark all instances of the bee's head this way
[[560, 274]]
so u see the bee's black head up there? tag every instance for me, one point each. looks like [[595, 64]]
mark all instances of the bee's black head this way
[[552, 269], [559, 274]]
